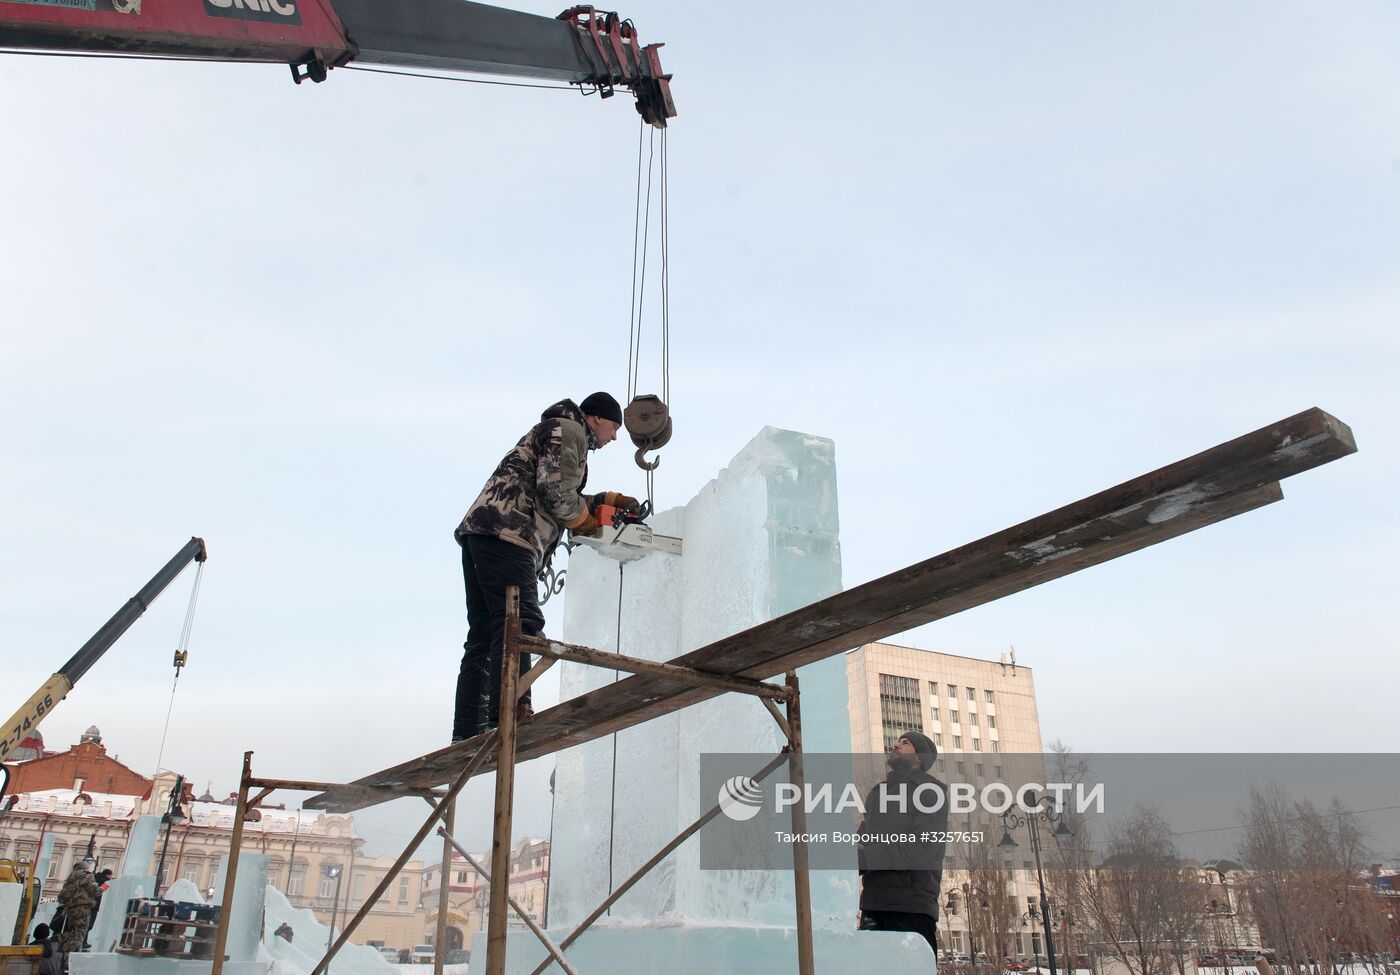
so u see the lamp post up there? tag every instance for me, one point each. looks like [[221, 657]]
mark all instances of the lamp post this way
[[173, 814], [333, 871], [969, 892], [1031, 818]]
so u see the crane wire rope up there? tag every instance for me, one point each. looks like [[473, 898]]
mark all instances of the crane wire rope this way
[[612, 790], [641, 238], [181, 651], [658, 175]]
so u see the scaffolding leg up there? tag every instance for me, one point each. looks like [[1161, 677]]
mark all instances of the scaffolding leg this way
[[488, 744], [231, 872], [554, 950], [505, 790], [801, 879], [444, 885]]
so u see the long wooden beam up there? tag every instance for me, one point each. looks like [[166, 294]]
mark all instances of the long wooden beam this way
[[1226, 480]]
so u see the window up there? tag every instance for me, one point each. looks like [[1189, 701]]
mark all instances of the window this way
[[980, 770], [938, 739], [326, 888], [990, 699], [952, 692], [190, 869], [971, 694], [932, 689], [461, 876], [359, 887], [957, 741], [977, 744], [962, 769], [274, 874], [954, 717], [933, 713], [972, 718], [297, 880], [996, 745], [991, 721], [403, 890], [55, 859], [900, 710], [212, 877]]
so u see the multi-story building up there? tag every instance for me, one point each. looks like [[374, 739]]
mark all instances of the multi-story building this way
[[468, 896], [982, 716], [86, 800]]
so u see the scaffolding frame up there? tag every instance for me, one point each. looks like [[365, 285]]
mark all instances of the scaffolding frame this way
[[1221, 482], [501, 741]]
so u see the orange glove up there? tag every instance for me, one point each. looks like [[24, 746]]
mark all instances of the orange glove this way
[[585, 524], [619, 501]]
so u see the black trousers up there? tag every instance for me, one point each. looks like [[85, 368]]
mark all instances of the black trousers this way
[[902, 921], [489, 566]]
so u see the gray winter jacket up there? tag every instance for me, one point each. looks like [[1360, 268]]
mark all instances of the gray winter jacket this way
[[902, 875]]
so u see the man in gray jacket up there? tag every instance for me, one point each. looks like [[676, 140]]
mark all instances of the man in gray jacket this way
[[901, 863], [509, 535]]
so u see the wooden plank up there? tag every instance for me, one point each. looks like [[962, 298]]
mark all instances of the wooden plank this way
[[1226, 480]]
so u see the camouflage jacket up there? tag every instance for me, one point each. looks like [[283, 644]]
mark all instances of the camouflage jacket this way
[[535, 490], [79, 892]]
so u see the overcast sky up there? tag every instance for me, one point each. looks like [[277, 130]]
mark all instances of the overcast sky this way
[[1004, 256]]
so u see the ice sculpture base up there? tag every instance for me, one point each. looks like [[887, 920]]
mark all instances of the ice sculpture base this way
[[110, 963], [694, 950]]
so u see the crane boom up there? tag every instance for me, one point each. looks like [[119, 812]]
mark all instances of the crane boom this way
[[57, 687], [582, 46]]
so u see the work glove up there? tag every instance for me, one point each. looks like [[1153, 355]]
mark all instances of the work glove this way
[[619, 501], [585, 524]]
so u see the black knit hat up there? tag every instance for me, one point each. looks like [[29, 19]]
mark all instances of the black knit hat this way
[[923, 746], [602, 405]]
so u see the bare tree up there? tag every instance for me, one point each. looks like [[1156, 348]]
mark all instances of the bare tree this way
[[991, 906], [1306, 884], [1136, 899], [1071, 860]]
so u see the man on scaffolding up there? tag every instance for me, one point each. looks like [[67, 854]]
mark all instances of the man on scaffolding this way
[[509, 535]]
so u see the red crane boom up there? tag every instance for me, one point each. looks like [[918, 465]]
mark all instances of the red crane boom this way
[[582, 46]]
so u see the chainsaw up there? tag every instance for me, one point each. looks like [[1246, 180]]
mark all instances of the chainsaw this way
[[623, 533]]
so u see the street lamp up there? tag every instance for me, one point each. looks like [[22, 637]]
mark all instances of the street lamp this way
[[172, 815], [1039, 813], [333, 871], [969, 892]]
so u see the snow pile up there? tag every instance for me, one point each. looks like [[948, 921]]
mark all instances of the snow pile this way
[[300, 955]]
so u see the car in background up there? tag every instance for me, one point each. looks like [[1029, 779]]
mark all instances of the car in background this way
[[421, 955], [458, 956], [391, 955]]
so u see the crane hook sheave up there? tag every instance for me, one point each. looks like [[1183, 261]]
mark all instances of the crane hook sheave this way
[[648, 422]]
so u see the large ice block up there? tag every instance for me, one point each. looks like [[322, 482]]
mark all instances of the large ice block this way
[[760, 540], [140, 847], [111, 913], [10, 897], [246, 913]]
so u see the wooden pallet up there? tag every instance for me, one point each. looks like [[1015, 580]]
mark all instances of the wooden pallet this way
[[145, 936], [1226, 480]]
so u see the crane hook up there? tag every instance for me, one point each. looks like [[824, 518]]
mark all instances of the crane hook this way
[[648, 422]]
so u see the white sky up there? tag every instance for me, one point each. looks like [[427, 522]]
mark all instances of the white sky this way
[[1004, 258]]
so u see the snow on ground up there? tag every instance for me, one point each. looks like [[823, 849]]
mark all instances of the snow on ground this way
[[300, 955]]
